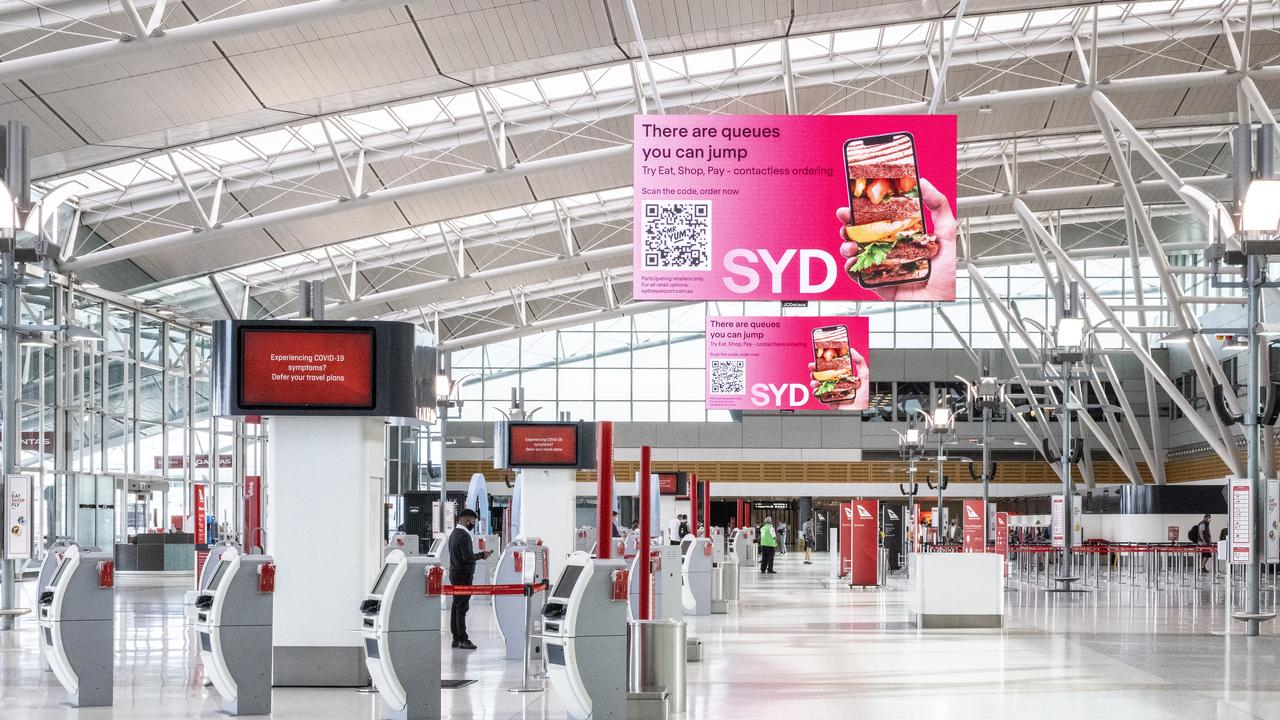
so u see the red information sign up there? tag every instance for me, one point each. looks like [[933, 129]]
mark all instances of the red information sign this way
[[306, 368], [975, 526], [536, 445], [1002, 539], [846, 537], [668, 483], [252, 511], [202, 534], [864, 550]]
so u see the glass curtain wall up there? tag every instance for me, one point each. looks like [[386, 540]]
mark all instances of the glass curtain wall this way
[[116, 419]]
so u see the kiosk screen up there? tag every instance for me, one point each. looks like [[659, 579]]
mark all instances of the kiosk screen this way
[[384, 578], [568, 579], [217, 575], [62, 567], [684, 547]]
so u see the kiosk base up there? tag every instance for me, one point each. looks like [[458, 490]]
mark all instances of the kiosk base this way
[[319, 667], [90, 646], [250, 668]]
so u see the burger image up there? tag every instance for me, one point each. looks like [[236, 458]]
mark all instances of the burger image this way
[[833, 366], [884, 202]]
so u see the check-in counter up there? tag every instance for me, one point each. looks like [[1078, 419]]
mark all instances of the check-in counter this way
[[157, 552], [956, 590]]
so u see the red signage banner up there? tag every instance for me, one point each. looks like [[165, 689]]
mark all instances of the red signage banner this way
[[975, 526], [1002, 538], [198, 503], [788, 363], [252, 512], [534, 445], [283, 368], [864, 550], [1241, 522], [846, 538], [178, 462]]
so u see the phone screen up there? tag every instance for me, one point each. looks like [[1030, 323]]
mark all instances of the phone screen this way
[[833, 365], [886, 210]]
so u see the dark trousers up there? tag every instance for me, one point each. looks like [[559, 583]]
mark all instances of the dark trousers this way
[[766, 558], [458, 617]]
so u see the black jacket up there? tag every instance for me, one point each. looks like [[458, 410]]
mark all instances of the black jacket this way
[[462, 557]]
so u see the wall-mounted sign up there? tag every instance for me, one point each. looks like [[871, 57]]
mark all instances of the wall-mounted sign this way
[[178, 462], [787, 363], [18, 535], [790, 208], [1241, 521]]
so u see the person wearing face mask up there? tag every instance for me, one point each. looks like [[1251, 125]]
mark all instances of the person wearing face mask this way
[[462, 571]]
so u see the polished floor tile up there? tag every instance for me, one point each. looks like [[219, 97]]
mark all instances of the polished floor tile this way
[[796, 645]]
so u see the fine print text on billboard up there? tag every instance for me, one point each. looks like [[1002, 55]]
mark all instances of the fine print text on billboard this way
[[762, 207]]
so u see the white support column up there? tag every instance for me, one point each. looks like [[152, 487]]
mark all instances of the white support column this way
[[323, 527]]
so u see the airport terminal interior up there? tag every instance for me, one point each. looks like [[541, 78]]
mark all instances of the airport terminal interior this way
[[639, 359]]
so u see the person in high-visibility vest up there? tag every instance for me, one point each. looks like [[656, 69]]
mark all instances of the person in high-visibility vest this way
[[768, 546]]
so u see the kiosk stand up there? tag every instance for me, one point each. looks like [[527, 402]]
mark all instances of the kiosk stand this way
[[400, 625], [234, 623], [720, 573], [585, 630], [667, 576], [509, 610], [52, 558], [77, 626], [697, 575]]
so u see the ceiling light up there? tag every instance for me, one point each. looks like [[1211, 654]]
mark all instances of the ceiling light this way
[[1177, 337], [984, 109], [1261, 207]]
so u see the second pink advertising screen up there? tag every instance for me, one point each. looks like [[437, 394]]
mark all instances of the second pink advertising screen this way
[[787, 363], [795, 207]]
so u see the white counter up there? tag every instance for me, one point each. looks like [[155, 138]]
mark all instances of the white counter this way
[[956, 590]]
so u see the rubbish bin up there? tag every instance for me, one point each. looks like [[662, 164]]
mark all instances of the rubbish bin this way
[[730, 568], [656, 661]]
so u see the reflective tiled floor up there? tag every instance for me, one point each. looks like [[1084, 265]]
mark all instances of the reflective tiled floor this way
[[797, 646]]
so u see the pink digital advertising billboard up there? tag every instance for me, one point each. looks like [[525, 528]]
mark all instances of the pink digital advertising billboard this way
[[787, 363], [795, 207]]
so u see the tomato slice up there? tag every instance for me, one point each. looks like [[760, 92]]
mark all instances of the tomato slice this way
[[906, 184], [878, 190]]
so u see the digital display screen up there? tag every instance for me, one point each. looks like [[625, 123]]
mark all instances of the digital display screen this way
[[217, 575], [384, 578], [669, 484], [319, 368], [568, 578], [684, 547], [542, 445]]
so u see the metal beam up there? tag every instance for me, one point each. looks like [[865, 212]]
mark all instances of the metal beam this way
[[26, 68], [566, 321], [321, 209]]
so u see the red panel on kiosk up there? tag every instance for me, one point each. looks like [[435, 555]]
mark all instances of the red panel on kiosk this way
[[542, 445], [1002, 537], [975, 526], [286, 368], [864, 550], [201, 529], [846, 537], [106, 574], [252, 511], [267, 578]]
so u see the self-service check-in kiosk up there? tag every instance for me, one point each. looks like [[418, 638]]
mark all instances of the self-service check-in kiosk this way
[[76, 625], [509, 610], [719, 573], [401, 628], [49, 566], [697, 575], [584, 540], [668, 576], [585, 631], [742, 542], [407, 543], [234, 625]]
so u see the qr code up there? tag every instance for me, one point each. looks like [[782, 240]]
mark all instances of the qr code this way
[[728, 377], [676, 235]]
